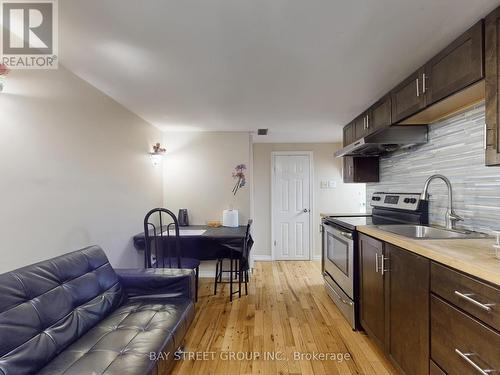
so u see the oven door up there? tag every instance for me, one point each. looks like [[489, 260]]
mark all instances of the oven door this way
[[338, 253]]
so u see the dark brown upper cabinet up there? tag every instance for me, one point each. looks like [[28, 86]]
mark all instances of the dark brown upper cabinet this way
[[360, 169], [492, 68], [456, 67], [360, 124], [379, 115], [463, 74], [408, 97], [349, 135]]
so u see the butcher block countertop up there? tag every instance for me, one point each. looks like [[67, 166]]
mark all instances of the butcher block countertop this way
[[472, 256]]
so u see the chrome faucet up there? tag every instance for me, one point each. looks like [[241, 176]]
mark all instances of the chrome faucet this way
[[451, 217]]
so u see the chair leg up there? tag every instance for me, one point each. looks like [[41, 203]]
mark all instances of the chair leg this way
[[197, 273], [216, 276], [220, 270], [246, 282], [231, 280], [239, 278]]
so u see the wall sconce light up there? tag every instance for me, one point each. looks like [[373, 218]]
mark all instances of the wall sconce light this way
[[157, 154], [4, 70]]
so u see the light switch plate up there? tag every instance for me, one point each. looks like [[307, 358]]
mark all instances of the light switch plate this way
[[323, 184], [332, 184]]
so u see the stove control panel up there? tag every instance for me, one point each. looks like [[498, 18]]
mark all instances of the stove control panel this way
[[402, 201]]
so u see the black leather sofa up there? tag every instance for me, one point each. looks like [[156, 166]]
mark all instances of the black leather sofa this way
[[75, 314]]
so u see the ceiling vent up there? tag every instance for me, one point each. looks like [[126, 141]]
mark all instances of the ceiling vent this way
[[262, 131]]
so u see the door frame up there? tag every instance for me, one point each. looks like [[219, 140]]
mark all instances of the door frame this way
[[310, 154]]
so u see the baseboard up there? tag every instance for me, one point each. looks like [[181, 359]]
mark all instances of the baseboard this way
[[207, 273], [261, 258], [268, 258]]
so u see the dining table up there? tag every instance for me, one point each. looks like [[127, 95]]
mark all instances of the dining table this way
[[206, 243]]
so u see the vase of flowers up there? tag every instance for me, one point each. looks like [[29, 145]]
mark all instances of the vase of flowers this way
[[239, 176]]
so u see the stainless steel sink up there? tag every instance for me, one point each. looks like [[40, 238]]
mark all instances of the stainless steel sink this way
[[424, 232]]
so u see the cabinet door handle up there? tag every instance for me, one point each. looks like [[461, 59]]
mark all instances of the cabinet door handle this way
[[423, 83], [364, 122], [376, 262], [467, 297], [367, 122], [350, 170], [466, 358], [382, 264], [418, 91]]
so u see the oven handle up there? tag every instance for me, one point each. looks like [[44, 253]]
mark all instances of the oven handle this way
[[345, 302], [346, 235]]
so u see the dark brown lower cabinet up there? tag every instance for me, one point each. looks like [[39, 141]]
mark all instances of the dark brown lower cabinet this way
[[435, 369], [426, 317], [372, 304], [394, 303], [407, 309], [460, 344]]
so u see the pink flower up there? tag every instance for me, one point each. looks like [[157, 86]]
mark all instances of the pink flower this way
[[4, 70]]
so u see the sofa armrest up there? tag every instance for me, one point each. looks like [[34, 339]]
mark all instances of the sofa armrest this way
[[157, 282]]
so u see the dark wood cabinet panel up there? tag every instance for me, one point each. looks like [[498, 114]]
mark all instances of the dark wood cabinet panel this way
[[492, 87], [372, 309], [407, 310], [349, 136], [360, 169], [464, 292], [458, 341], [456, 67], [435, 369], [379, 114], [407, 98], [348, 169], [360, 127]]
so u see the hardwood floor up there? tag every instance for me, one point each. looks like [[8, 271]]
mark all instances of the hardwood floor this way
[[287, 311]]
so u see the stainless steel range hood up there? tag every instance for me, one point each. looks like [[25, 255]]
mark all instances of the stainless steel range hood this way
[[386, 140]]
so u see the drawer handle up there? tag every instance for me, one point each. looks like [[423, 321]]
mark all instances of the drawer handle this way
[[340, 298], [467, 297], [466, 358]]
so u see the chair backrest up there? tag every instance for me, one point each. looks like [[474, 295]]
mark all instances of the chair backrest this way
[[161, 232], [47, 306], [246, 244]]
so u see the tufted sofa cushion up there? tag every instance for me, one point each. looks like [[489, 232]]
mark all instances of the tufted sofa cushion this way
[[123, 342], [47, 306]]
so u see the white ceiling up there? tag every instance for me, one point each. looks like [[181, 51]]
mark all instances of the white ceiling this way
[[302, 68]]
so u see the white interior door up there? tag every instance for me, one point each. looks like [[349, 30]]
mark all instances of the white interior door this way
[[291, 206]]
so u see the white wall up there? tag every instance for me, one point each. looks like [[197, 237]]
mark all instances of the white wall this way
[[74, 170], [197, 174], [343, 198]]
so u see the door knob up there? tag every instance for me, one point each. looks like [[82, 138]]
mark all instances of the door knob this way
[[306, 210]]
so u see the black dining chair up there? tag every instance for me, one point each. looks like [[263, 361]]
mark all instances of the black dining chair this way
[[239, 265], [161, 231]]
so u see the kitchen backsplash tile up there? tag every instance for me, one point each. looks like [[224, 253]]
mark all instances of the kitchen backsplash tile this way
[[455, 149]]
